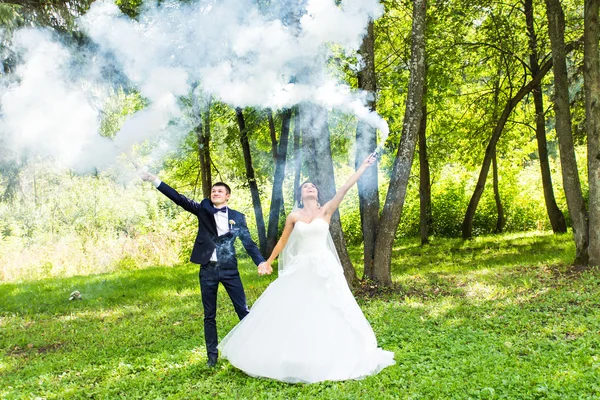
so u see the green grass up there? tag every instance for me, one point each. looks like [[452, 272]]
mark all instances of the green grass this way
[[500, 317]]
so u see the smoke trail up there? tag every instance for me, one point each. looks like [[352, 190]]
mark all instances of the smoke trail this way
[[235, 51]]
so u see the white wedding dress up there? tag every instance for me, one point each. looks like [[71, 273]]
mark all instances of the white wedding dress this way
[[306, 326]]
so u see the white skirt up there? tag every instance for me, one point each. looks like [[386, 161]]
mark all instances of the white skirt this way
[[306, 327]]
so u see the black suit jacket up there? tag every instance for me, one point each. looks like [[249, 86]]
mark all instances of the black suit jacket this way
[[207, 238]]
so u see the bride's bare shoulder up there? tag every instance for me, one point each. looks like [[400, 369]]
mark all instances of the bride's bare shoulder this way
[[294, 217]]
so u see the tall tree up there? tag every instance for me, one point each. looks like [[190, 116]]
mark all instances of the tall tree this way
[[297, 153], [392, 210], [319, 165], [425, 215], [258, 213], [277, 191], [503, 79], [564, 133], [467, 228], [272, 133], [203, 138], [591, 75], [555, 215], [366, 142], [501, 220]]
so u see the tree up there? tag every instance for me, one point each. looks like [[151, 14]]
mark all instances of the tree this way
[[277, 192], [557, 219], [251, 179], [425, 217], [467, 229], [297, 153], [392, 210], [319, 166], [366, 141], [591, 74], [501, 220], [505, 61], [203, 135], [564, 133]]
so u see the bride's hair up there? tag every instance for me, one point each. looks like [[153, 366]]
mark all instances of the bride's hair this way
[[299, 198]]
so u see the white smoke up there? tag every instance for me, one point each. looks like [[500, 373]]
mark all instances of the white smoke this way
[[233, 50], [42, 112]]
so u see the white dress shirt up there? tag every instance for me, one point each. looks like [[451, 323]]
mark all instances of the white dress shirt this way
[[221, 219]]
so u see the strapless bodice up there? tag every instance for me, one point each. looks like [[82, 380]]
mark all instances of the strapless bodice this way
[[313, 235]]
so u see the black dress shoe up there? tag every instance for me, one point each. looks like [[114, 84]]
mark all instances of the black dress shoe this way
[[212, 362]]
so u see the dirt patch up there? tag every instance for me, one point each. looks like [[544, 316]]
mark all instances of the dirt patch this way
[[18, 351], [570, 271]]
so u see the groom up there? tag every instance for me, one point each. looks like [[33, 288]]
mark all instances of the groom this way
[[218, 226]]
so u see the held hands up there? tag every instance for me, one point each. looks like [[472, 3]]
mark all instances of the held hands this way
[[264, 268]]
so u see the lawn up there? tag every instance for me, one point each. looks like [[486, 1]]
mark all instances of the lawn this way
[[492, 318]]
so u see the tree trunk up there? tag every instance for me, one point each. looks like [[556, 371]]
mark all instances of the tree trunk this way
[[273, 134], [277, 193], [297, 153], [467, 228], [203, 136], [425, 217], [317, 147], [366, 142], [571, 184], [591, 75], [555, 215], [501, 220], [260, 222], [495, 184], [392, 210]]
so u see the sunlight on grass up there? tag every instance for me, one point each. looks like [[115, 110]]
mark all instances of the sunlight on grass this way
[[482, 291], [496, 317], [442, 308]]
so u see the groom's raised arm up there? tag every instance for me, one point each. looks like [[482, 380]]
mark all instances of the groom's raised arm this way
[[177, 198]]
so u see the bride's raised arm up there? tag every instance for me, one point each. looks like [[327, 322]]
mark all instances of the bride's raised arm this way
[[334, 203]]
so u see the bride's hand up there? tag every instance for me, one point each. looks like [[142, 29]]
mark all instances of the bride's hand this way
[[370, 160], [264, 268], [268, 269]]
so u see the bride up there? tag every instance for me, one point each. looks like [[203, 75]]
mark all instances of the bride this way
[[307, 326]]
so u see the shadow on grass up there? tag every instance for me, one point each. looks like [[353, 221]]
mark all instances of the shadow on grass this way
[[515, 319], [486, 252], [113, 289]]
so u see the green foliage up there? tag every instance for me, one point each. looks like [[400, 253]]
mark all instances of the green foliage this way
[[56, 14], [521, 193], [495, 317], [10, 17], [130, 7], [117, 108], [82, 223], [475, 63]]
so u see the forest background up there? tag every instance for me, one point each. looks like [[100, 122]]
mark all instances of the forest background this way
[[474, 96]]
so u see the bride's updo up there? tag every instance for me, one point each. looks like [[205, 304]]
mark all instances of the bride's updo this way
[[299, 196]]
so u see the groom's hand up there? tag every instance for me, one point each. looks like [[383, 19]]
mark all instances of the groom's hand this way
[[146, 176], [264, 268]]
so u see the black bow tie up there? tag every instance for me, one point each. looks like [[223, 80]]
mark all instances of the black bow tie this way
[[216, 210]]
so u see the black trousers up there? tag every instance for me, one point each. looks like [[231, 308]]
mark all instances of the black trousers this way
[[210, 276]]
